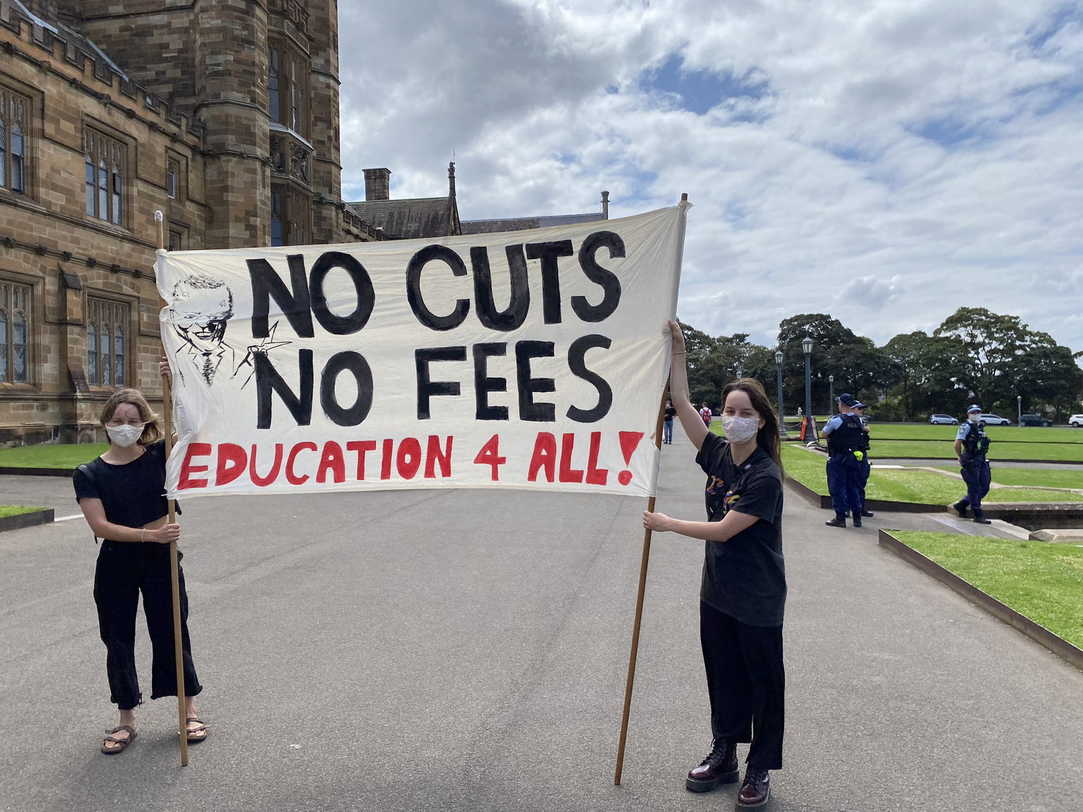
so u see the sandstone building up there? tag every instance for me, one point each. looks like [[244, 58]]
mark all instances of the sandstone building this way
[[223, 115]]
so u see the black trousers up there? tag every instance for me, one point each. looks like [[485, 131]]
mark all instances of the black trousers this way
[[747, 684], [124, 570], [976, 475]]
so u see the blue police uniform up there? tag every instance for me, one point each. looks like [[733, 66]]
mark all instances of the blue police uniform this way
[[844, 438], [866, 464], [975, 466]]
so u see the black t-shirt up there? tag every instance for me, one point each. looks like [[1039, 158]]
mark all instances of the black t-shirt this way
[[132, 494], [744, 577], [670, 412]]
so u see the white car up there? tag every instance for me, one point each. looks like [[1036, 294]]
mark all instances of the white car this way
[[942, 420], [994, 420], [1076, 420]]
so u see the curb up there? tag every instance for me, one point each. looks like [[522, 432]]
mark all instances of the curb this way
[[819, 500], [29, 519], [1036, 632], [37, 471]]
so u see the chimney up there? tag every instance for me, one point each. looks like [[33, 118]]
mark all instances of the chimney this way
[[605, 205], [377, 184], [451, 180]]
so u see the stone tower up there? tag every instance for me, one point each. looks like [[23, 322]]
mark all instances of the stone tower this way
[[262, 77]]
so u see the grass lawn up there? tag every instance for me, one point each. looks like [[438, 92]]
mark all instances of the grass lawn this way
[[15, 510], [1040, 580], [1061, 452], [1035, 477], [1004, 434], [50, 456], [906, 486]]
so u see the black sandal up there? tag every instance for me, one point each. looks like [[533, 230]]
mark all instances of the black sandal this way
[[197, 733], [112, 738]]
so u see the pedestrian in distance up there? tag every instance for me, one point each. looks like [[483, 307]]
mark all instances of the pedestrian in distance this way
[[866, 463], [845, 439], [743, 588], [972, 447], [706, 414], [122, 496], [667, 423]]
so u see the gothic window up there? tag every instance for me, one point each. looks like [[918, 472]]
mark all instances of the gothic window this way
[[172, 174], [274, 81], [287, 71], [14, 124], [14, 332], [104, 159], [290, 214], [106, 342], [176, 240], [278, 232]]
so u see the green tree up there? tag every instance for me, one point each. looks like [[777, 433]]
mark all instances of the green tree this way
[[714, 362], [1001, 358], [924, 369], [858, 365]]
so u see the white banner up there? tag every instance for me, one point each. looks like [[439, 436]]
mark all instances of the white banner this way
[[531, 359]]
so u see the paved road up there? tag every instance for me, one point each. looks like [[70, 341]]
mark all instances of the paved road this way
[[461, 650]]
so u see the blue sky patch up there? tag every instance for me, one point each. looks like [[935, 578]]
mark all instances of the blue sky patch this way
[[949, 131], [701, 90], [1039, 35]]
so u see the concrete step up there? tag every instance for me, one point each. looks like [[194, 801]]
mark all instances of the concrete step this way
[[998, 529]]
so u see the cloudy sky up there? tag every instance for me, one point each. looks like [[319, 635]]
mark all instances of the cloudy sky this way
[[884, 161]]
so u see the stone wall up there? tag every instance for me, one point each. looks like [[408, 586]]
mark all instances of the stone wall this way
[[185, 82], [49, 243]]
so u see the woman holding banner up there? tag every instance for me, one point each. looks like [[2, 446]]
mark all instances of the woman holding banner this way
[[121, 494], [743, 590]]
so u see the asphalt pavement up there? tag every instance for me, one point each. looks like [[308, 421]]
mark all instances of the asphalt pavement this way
[[466, 650]]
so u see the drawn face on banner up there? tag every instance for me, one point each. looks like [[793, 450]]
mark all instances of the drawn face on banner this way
[[200, 311]]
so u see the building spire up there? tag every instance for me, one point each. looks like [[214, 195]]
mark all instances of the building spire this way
[[451, 179]]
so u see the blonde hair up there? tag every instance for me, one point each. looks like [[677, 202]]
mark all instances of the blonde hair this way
[[152, 433]]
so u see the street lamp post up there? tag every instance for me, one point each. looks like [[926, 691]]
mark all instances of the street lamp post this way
[[1018, 410], [806, 345], [830, 394], [781, 413]]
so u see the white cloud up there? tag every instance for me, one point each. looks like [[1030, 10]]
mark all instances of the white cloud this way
[[908, 159]]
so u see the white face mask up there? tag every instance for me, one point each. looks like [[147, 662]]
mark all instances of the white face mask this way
[[740, 429], [973, 418], [124, 436]]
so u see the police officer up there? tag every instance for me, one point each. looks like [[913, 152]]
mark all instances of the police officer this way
[[971, 447], [844, 441], [866, 465]]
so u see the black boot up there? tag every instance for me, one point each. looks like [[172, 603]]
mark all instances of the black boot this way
[[857, 518], [838, 521], [868, 514], [960, 508], [719, 767], [756, 788], [980, 519]]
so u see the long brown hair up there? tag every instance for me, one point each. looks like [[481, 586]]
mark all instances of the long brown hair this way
[[767, 436], [152, 433]]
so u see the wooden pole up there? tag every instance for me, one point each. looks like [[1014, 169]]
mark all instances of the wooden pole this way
[[643, 561], [174, 562]]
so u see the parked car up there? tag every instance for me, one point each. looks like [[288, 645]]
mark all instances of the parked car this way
[[1033, 420], [1076, 420], [994, 420], [942, 420]]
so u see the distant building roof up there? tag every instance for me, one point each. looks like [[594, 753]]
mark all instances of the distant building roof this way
[[411, 218], [522, 223]]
